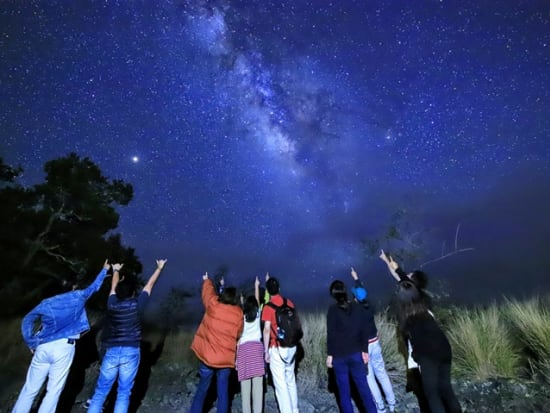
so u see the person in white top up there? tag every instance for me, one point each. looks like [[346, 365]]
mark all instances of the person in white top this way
[[250, 355]]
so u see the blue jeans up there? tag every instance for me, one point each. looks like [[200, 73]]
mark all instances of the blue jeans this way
[[353, 366], [222, 378], [118, 361]]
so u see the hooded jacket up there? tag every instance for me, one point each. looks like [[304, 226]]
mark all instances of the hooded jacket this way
[[215, 342]]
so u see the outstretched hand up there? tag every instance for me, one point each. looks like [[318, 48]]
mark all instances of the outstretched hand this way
[[393, 265], [106, 264], [383, 256], [257, 282], [117, 267], [388, 260], [205, 276], [354, 274], [160, 264]]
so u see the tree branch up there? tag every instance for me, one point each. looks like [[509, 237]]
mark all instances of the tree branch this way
[[449, 254]]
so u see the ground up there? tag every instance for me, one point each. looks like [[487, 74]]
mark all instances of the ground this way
[[169, 387]]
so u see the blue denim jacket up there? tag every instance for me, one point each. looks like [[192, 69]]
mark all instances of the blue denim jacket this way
[[60, 316]]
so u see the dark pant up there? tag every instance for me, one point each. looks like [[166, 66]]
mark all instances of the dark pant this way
[[222, 380], [436, 380], [414, 384], [353, 366]]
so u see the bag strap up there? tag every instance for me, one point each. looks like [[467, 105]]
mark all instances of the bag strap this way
[[275, 307]]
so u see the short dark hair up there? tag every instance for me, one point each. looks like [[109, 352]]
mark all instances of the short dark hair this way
[[126, 288], [272, 286], [229, 296]]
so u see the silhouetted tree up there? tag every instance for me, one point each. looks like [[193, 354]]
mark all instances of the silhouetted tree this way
[[55, 233], [173, 312], [410, 244]]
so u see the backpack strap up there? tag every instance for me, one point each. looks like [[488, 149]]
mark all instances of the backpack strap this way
[[273, 330], [275, 307]]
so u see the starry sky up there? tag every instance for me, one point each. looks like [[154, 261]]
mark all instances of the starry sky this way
[[278, 135]]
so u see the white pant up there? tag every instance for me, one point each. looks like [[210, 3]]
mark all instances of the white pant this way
[[52, 361], [281, 365], [377, 371]]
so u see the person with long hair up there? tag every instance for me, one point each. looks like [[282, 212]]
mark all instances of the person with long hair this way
[[419, 278], [347, 348], [250, 355], [427, 343], [215, 343]]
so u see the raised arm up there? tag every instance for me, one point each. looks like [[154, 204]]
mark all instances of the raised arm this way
[[267, 297], [154, 277], [96, 284], [116, 277], [393, 267], [355, 277], [257, 289]]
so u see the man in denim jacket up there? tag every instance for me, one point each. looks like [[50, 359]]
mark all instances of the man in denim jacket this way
[[50, 330]]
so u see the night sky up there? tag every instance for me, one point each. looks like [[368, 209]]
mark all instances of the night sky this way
[[278, 135]]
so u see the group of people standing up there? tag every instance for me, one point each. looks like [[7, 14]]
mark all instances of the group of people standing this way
[[51, 329], [242, 333], [230, 336]]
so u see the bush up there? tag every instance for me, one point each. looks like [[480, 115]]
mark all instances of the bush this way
[[482, 345], [312, 371], [531, 320], [386, 333]]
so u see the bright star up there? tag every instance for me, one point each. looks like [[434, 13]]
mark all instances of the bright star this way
[[135, 159]]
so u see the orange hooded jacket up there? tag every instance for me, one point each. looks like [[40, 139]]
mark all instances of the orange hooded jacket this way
[[215, 342]]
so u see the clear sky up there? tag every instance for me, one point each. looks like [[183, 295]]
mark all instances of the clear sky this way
[[278, 135]]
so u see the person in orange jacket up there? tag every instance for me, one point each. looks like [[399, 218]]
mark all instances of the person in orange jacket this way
[[215, 343]]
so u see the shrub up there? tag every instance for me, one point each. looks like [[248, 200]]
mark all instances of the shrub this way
[[177, 348], [482, 345], [312, 368], [386, 333], [531, 320]]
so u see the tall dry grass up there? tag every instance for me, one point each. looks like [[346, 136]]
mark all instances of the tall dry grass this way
[[312, 371], [14, 361], [486, 343], [482, 344], [386, 333], [531, 320], [15, 354]]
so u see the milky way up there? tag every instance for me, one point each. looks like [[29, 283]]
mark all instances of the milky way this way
[[278, 135]]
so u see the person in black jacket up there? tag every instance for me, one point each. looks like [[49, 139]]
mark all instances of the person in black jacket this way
[[427, 343], [347, 347]]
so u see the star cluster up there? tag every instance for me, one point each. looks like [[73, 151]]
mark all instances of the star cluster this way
[[277, 135]]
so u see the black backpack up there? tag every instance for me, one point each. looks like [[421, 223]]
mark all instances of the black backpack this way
[[289, 329]]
